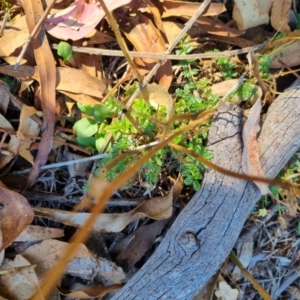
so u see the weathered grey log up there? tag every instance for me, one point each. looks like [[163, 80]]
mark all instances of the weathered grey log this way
[[206, 230]]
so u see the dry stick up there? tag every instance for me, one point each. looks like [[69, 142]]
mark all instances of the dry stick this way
[[33, 33], [81, 235], [4, 22], [164, 56]]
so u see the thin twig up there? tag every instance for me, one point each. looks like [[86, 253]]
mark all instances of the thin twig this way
[[4, 22], [33, 33], [120, 40], [163, 56], [65, 163]]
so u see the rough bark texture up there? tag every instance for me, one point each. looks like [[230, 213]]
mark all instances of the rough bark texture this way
[[206, 230]]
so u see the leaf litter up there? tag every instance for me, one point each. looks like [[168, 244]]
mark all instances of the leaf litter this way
[[88, 80]]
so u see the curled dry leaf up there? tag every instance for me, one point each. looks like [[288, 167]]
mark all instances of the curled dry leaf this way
[[156, 208], [79, 19], [27, 126], [20, 284], [156, 96], [15, 215], [13, 145], [250, 158]]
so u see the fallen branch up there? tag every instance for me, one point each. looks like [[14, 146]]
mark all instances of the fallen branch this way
[[204, 233]]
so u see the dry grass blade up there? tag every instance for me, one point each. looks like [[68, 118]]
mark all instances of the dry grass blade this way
[[47, 73], [257, 286]]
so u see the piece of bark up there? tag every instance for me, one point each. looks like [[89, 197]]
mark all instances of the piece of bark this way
[[206, 230]]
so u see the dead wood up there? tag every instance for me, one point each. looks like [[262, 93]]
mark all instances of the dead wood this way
[[206, 230]]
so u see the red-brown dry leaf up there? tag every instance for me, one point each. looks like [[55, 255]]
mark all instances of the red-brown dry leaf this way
[[90, 291], [15, 215], [145, 37], [47, 74], [250, 159], [149, 7]]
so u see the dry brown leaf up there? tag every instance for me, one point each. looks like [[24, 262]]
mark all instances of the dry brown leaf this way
[[13, 145], [37, 233], [225, 291], [15, 215], [289, 56], [250, 159], [12, 41], [45, 254], [156, 208], [20, 284], [145, 37], [27, 126], [47, 74], [156, 96], [90, 291], [213, 27], [97, 37], [171, 8], [67, 80], [280, 15], [223, 87]]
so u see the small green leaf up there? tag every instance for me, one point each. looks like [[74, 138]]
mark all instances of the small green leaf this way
[[65, 51], [86, 142], [100, 140], [100, 113], [262, 212], [85, 108], [85, 127]]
